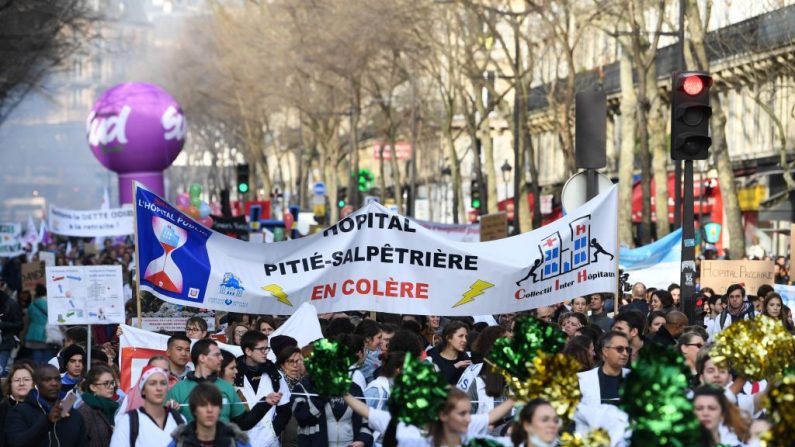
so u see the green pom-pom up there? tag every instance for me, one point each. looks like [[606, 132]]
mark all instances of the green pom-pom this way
[[654, 395], [328, 367], [418, 394], [483, 442], [530, 336]]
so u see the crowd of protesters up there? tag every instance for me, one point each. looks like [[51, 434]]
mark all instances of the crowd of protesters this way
[[194, 394]]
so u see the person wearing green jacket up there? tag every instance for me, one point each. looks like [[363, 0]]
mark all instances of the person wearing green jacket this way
[[206, 357], [36, 336]]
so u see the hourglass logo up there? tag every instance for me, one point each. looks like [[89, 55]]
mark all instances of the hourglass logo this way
[[163, 272]]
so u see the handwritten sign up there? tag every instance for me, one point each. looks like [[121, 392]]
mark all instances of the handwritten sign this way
[[719, 275], [493, 227]]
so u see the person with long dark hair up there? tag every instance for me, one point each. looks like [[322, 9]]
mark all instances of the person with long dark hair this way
[[450, 354], [774, 308], [718, 417]]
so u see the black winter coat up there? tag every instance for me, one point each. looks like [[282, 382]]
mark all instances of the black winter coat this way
[[10, 322], [27, 425]]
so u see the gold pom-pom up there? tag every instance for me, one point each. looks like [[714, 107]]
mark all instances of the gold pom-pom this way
[[781, 407], [757, 349], [553, 377], [594, 438]]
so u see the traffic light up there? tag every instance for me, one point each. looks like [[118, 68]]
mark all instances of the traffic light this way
[[365, 180], [474, 193], [690, 112], [342, 196], [242, 178]]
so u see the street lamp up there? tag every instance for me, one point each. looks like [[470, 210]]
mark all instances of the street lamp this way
[[506, 175]]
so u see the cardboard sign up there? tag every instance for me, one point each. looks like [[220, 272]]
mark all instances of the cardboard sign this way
[[493, 227], [719, 275], [32, 274]]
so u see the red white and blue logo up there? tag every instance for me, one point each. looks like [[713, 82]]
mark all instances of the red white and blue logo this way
[[172, 249]]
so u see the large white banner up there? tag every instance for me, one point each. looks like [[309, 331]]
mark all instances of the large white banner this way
[[10, 242], [91, 223], [377, 260]]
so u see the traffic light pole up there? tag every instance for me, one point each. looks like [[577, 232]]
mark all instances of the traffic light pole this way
[[687, 282]]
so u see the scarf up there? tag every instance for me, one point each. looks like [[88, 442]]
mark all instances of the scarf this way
[[291, 383], [105, 406]]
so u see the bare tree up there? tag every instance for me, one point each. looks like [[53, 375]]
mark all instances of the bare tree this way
[[698, 52], [36, 37]]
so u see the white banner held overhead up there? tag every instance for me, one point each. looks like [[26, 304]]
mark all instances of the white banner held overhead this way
[[91, 223], [377, 260], [10, 242]]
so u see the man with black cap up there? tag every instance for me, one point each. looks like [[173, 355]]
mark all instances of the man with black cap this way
[[41, 420], [73, 368]]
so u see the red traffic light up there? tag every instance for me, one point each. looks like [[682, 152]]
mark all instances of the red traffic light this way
[[693, 85]]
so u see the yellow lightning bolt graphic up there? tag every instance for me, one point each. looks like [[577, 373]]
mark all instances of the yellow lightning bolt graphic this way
[[278, 293], [476, 289]]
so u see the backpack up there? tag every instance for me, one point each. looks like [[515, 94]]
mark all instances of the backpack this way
[[134, 422]]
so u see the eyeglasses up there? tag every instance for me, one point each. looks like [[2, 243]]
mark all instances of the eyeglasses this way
[[108, 384], [192, 329], [621, 349], [22, 380], [698, 345], [263, 349]]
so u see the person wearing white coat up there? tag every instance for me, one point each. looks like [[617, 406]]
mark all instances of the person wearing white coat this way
[[601, 384]]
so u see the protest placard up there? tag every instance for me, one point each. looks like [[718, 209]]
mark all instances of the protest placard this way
[[719, 275], [91, 223], [493, 227], [47, 257], [376, 260], [10, 242], [171, 324], [91, 294], [32, 274]]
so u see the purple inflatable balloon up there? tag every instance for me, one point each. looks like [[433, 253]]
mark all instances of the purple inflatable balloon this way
[[137, 130]]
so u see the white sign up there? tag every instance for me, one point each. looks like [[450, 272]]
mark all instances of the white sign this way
[[377, 260], [454, 232], [171, 324], [10, 243], [47, 257], [91, 294], [92, 223]]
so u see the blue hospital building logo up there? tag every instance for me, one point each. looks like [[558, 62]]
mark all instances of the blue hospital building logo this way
[[560, 254], [231, 285]]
